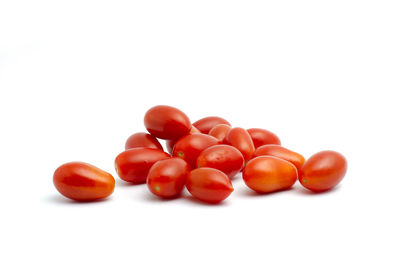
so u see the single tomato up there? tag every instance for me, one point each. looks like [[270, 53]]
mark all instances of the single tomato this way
[[278, 151], [323, 171], [267, 174], [190, 146], [207, 123], [240, 138], [170, 143], [209, 185], [166, 122], [134, 164], [167, 177], [222, 157], [142, 139], [83, 182], [219, 131], [262, 137]]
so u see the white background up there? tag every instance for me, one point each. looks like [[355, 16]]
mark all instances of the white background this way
[[76, 78]]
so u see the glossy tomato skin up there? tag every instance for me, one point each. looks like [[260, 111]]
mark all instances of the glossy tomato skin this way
[[134, 164], [207, 123], [262, 137], [220, 131], [240, 139], [209, 185], [166, 122], [323, 171], [170, 143], [266, 174], [83, 182], [142, 139], [225, 158], [190, 146], [167, 178], [279, 151]]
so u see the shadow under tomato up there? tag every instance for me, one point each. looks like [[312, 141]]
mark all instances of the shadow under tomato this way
[[251, 193], [59, 199], [192, 199], [304, 191], [154, 198]]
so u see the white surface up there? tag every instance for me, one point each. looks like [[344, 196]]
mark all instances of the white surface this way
[[76, 78]]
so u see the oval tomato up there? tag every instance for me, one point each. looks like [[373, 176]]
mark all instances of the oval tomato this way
[[219, 131], [278, 151], [167, 177], [207, 123], [240, 138], [262, 137], [190, 146], [167, 122], [225, 158], [267, 174], [133, 164], [83, 182], [170, 143], [323, 171], [209, 185], [142, 139]]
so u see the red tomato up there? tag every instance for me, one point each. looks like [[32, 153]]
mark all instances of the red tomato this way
[[207, 123], [170, 143], [166, 122], [167, 177], [240, 138], [141, 139], [267, 174], [209, 185], [278, 151], [219, 131], [83, 182], [262, 137], [323, 171], [222, 157], [190, 146], [134, 164]]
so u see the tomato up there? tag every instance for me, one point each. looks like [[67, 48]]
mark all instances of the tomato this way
[[207, 123], [240, 138], [170, 143], [167, 122], [190, 146], [222, 157], [262, 137], [209, 185], [323, 171], [219, 131], [141, 139], [167, 177], [134, 164], [278, 151], [83, 182], [267, 174]]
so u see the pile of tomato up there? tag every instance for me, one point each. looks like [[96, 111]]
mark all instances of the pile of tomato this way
[[203, 157]]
